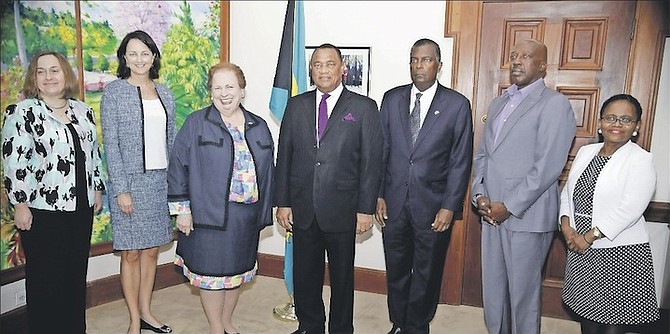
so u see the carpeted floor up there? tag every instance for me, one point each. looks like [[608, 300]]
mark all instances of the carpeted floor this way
[[179, 306]]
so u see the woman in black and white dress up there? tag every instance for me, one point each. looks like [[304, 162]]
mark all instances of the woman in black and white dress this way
[[609, 275]]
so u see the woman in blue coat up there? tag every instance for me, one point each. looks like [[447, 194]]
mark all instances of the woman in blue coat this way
[[219, 186]]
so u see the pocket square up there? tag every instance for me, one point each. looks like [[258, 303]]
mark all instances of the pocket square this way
[[349, 118]]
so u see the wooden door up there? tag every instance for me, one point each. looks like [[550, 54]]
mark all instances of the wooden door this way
[[588, 49]]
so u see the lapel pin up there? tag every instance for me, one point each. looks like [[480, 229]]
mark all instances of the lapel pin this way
[[437, 112]]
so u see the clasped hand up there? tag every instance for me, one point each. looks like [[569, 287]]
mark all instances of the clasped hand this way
[[576, 242], [494, 213]]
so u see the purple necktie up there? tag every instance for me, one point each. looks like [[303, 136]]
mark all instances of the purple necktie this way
[[323, 114]]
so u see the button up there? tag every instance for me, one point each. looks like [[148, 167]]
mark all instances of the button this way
[[411, 162], [318, 164]]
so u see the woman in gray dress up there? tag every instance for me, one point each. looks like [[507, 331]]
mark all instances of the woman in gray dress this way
[[138, 127]]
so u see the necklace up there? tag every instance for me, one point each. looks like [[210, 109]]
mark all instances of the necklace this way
[[54, 108]]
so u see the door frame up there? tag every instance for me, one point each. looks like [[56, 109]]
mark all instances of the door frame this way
[[463, 23]]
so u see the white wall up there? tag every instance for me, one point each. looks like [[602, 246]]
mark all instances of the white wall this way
[[660, 142]]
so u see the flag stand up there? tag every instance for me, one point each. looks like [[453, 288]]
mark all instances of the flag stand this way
[[285, 311]]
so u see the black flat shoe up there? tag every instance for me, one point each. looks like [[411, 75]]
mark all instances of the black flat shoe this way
[[162, 329]]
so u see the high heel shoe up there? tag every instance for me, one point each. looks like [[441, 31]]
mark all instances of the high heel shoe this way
[[162, 329]]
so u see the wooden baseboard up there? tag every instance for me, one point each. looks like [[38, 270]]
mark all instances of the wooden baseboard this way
[[108, 289], [367, 280], [15, 321]]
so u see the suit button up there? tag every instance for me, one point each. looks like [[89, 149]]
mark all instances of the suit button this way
[[411, 162], [318, 164], [405, 184]]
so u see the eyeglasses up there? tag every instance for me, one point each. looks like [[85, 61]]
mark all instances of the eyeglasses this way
[[624, 120]]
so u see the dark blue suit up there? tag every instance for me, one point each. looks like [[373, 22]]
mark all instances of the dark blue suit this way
[[418, 182]]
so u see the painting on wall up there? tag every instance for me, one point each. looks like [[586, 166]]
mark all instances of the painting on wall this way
[[356, 75], [186, 32]]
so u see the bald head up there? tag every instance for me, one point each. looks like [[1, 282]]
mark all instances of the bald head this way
[[528, 62], [539, 47]]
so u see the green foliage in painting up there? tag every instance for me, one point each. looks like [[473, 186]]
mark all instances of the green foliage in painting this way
[[187, 57], [88, 61], [98, 37], [103, 63]]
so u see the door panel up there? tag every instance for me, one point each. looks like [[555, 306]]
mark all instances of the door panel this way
[[588, 49]]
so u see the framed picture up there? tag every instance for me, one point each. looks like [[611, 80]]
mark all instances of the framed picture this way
[[356, 76]]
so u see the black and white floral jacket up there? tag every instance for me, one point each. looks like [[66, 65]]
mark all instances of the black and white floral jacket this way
[[39, 155]]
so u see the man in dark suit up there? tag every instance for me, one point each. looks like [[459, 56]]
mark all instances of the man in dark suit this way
[[522, 152], [327, 178], [427, 168]]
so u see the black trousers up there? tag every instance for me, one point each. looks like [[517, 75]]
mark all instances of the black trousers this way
[[57, 248], [308, 272], [415, 257]]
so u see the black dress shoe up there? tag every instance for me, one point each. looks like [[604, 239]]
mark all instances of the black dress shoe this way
[[162, 329], [395, 330], [300, 331]]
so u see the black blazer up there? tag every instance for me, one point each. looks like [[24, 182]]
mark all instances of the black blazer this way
[[339, 178]]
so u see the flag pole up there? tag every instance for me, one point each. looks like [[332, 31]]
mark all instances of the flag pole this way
[[290, 80]]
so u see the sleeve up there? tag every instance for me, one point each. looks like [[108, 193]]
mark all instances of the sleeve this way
[[266, 218], [17, 148], [479, 163], [384, 121], [282, 194], [98, 184], [640, 183], [565, 208], [110, 131], [370, 168], [557, 129], [460, 160], [178, 170]]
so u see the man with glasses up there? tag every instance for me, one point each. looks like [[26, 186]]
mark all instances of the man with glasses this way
[[427, 156], [524, 147]]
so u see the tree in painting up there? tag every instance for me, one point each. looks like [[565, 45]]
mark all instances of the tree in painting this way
[[189, 48]]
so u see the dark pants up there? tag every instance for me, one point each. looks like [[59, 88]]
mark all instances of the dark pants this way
[[414, 256], [57, 248], [308, 271]]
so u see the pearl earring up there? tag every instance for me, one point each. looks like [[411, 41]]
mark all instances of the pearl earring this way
[[634, 133], [600, 131]]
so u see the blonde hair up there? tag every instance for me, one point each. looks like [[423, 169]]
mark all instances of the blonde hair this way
[[30, 89]]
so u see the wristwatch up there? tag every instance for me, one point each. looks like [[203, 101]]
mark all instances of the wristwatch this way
[[596, 233]]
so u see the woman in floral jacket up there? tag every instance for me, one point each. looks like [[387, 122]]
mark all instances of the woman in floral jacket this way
[[52, 168]]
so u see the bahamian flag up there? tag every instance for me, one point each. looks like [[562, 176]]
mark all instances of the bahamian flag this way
[[290, 80], [291, 74]]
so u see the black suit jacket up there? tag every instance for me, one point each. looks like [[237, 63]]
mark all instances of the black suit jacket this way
[[435, 173], [340, 177]]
